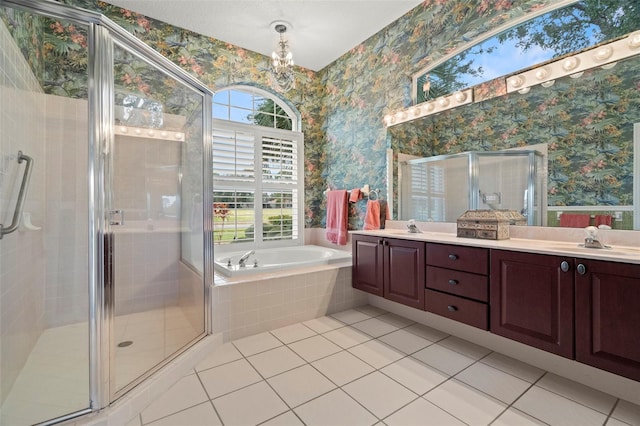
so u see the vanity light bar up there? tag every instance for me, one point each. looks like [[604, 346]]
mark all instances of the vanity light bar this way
[[604, 56], [139, 132], [442, 103]]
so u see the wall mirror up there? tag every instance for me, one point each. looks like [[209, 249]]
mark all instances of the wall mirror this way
[[586, 121]]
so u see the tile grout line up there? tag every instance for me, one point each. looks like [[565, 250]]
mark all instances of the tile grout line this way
[[613, 409], [452, 377], [518, 398], [338, 387], [215, 410], [573, 400], [404, 354]]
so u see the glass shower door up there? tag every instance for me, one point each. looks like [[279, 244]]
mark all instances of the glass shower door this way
[[44, 331], [154, 218]]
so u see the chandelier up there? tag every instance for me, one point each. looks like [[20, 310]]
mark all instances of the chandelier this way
[[282, 61]]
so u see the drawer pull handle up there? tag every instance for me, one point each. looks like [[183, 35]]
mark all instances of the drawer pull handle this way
[[452, 308], [453, 257], [453, 282]]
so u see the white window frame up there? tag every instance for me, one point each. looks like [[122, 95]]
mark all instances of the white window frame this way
[[293, 115], [258, 186]]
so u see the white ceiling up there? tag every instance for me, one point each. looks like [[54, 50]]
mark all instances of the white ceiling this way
[[322, 30]]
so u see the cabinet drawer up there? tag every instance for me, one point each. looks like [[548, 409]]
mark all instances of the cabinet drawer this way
[[456, 308], [465, 284], [461, 258]]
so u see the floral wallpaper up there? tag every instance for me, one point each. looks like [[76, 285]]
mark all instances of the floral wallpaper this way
[[374, 79], [26, 31], [342, 106]]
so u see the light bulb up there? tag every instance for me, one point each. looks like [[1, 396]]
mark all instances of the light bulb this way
[[634, 40], [443, 102], [460, 96], [516, 81], [570, 63], [602, 53], [542, 73]]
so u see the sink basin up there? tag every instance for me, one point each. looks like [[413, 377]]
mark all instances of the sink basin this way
[[565, 247], [400, 231]]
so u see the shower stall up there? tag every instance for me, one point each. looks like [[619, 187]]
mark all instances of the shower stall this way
[[105, 212], [443, 187]]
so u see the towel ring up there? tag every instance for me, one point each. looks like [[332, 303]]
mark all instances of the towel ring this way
[[375, 194]]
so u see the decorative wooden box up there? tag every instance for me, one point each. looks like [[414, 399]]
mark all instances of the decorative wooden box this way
[[488, 224]]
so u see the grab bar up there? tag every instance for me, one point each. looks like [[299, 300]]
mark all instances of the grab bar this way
[[21, 196]]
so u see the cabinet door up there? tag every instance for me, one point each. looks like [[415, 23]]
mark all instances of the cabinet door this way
[[367, 270], [404, 272], [532, 300], [608, 316]]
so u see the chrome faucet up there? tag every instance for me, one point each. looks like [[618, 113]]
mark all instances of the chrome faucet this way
[[591, 240], [412, 227], [242, 262]]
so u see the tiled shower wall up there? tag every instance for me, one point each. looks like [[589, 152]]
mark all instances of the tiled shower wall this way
[[67, 204], [147, 246], [22, 268]]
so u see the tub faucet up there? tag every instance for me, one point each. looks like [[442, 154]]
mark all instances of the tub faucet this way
[[242, 262]]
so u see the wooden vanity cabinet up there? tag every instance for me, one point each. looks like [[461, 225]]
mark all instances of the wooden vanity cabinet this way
[[390, 267], [367, 264], [608, 316], [532, 300], [582, 309], [457, 283]]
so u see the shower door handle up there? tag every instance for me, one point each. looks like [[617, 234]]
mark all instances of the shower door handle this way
[[17, 215], [112, 217]]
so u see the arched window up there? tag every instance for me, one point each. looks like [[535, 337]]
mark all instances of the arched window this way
[[251, 105], [257, 170]]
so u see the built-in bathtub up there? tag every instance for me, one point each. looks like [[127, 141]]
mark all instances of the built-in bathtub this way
[[266, 260]]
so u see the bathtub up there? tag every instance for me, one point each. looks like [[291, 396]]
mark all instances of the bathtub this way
[[279, 258]]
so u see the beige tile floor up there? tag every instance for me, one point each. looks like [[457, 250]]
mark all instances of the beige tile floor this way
[[365, 366]]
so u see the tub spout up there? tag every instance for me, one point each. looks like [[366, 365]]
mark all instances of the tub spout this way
[[242, 262]]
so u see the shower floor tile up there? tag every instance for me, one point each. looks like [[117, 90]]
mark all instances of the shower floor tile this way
[[55, 378], [394, 379]]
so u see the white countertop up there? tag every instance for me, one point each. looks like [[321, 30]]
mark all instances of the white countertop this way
[[617, 253]]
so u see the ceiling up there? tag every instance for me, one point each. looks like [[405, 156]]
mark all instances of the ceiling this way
[[321, 30]]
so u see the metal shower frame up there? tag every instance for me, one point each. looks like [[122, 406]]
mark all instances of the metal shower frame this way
[[102, 33]]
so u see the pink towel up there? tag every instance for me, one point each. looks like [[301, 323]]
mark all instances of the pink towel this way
[[575, 220], [372, 216], [355, 195], [603, 219], [337, 212]]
